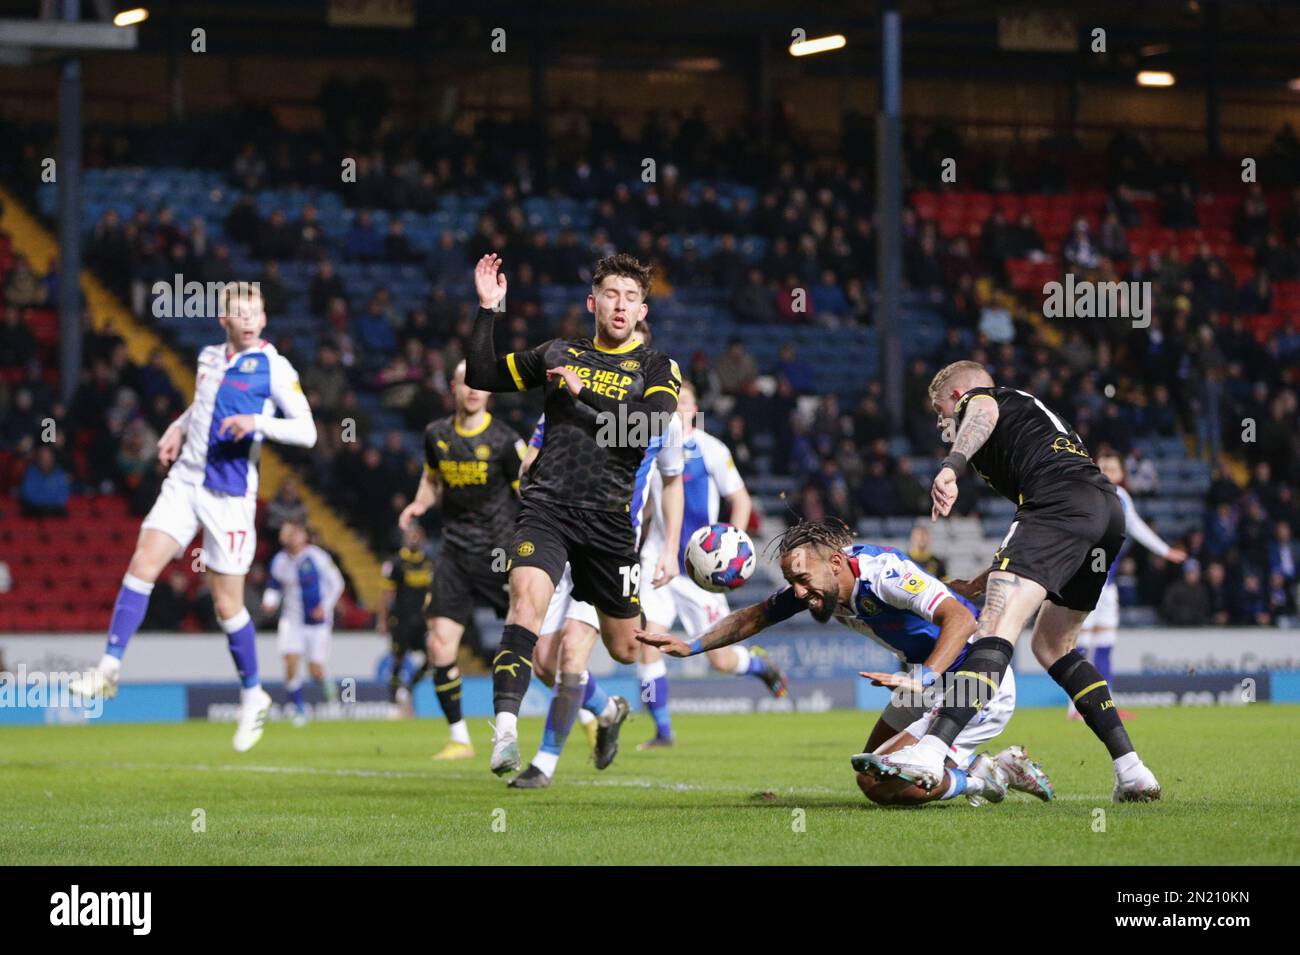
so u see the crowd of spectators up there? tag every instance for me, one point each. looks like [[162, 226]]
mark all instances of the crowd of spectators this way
[[1199, 370]]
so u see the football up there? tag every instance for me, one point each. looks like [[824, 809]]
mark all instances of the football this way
[[720, 557]]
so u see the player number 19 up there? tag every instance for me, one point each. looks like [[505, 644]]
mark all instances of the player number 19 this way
[[631, 574]]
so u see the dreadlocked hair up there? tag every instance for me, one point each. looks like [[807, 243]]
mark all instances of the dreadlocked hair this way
[[832, 534]]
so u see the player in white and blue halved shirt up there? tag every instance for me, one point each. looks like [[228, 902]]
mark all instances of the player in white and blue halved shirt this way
[[304, 584], [878, 592], [213, 448]]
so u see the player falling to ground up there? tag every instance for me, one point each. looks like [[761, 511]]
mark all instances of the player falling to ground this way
[[215, 445], [304, 584], [1067, 531], [880, 593], [606, 396], [1097, 636], [403, 604], [471, 465], [709, 477], [576, 624]]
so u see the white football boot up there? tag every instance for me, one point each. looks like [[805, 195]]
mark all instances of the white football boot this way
[[99, 683], [1023, 774], [918, 763], [994, 781], [505, 752], [1137, 785], [253, 710]]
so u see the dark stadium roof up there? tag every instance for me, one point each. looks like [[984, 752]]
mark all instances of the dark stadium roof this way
[[1257, 41]]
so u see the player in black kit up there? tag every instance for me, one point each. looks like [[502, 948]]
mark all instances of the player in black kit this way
[[402, 607], [471, 463], [1068, 528], [606, 398]]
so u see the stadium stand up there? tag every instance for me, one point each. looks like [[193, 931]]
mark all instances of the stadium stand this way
[[760, 295]]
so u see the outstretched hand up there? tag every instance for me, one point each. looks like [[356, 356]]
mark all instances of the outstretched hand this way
[[489, 281], [663, 642]]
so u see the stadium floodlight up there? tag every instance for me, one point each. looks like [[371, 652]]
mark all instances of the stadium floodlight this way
[[129, 18], [1155, 78], [819, 44]]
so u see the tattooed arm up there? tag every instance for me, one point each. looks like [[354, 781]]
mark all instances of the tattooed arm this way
[[976, 428], [732, 628]]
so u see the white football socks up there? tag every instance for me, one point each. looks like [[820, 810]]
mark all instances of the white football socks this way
[[507, 724], [546, 762], [460, 732]]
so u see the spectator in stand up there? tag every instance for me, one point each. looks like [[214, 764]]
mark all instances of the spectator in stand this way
[[325, 286], [1256, 295], [397, 247], [363, 242], [1220, 531], [736, 369], [829, 301], [1252, 602], [275, 297], [793, 303], [1179, 209], [919, 553], [924, 269], [327, 378], [998, 242], [708, 388], [23, 288], [1283, 555], [795, 371], [1141, 477], [1187, 601], [374, 333], [169, 605], [1081, 249], [1220, 597], [1028, 240], [45, 487], [287, 506], [912, 495], [754, 301], [1281, 601], [738, 441], [276, 238], [1113, 241], [1251, 224]]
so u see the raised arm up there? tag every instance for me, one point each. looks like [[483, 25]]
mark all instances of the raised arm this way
[[484, 370]]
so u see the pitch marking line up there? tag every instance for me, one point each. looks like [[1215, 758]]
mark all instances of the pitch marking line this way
[[617, 783]]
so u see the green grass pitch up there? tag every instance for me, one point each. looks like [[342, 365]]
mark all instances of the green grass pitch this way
[[349, 793]]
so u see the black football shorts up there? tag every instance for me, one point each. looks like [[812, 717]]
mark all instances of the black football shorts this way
[[1066, 541], [599, 546], [463, 578]]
